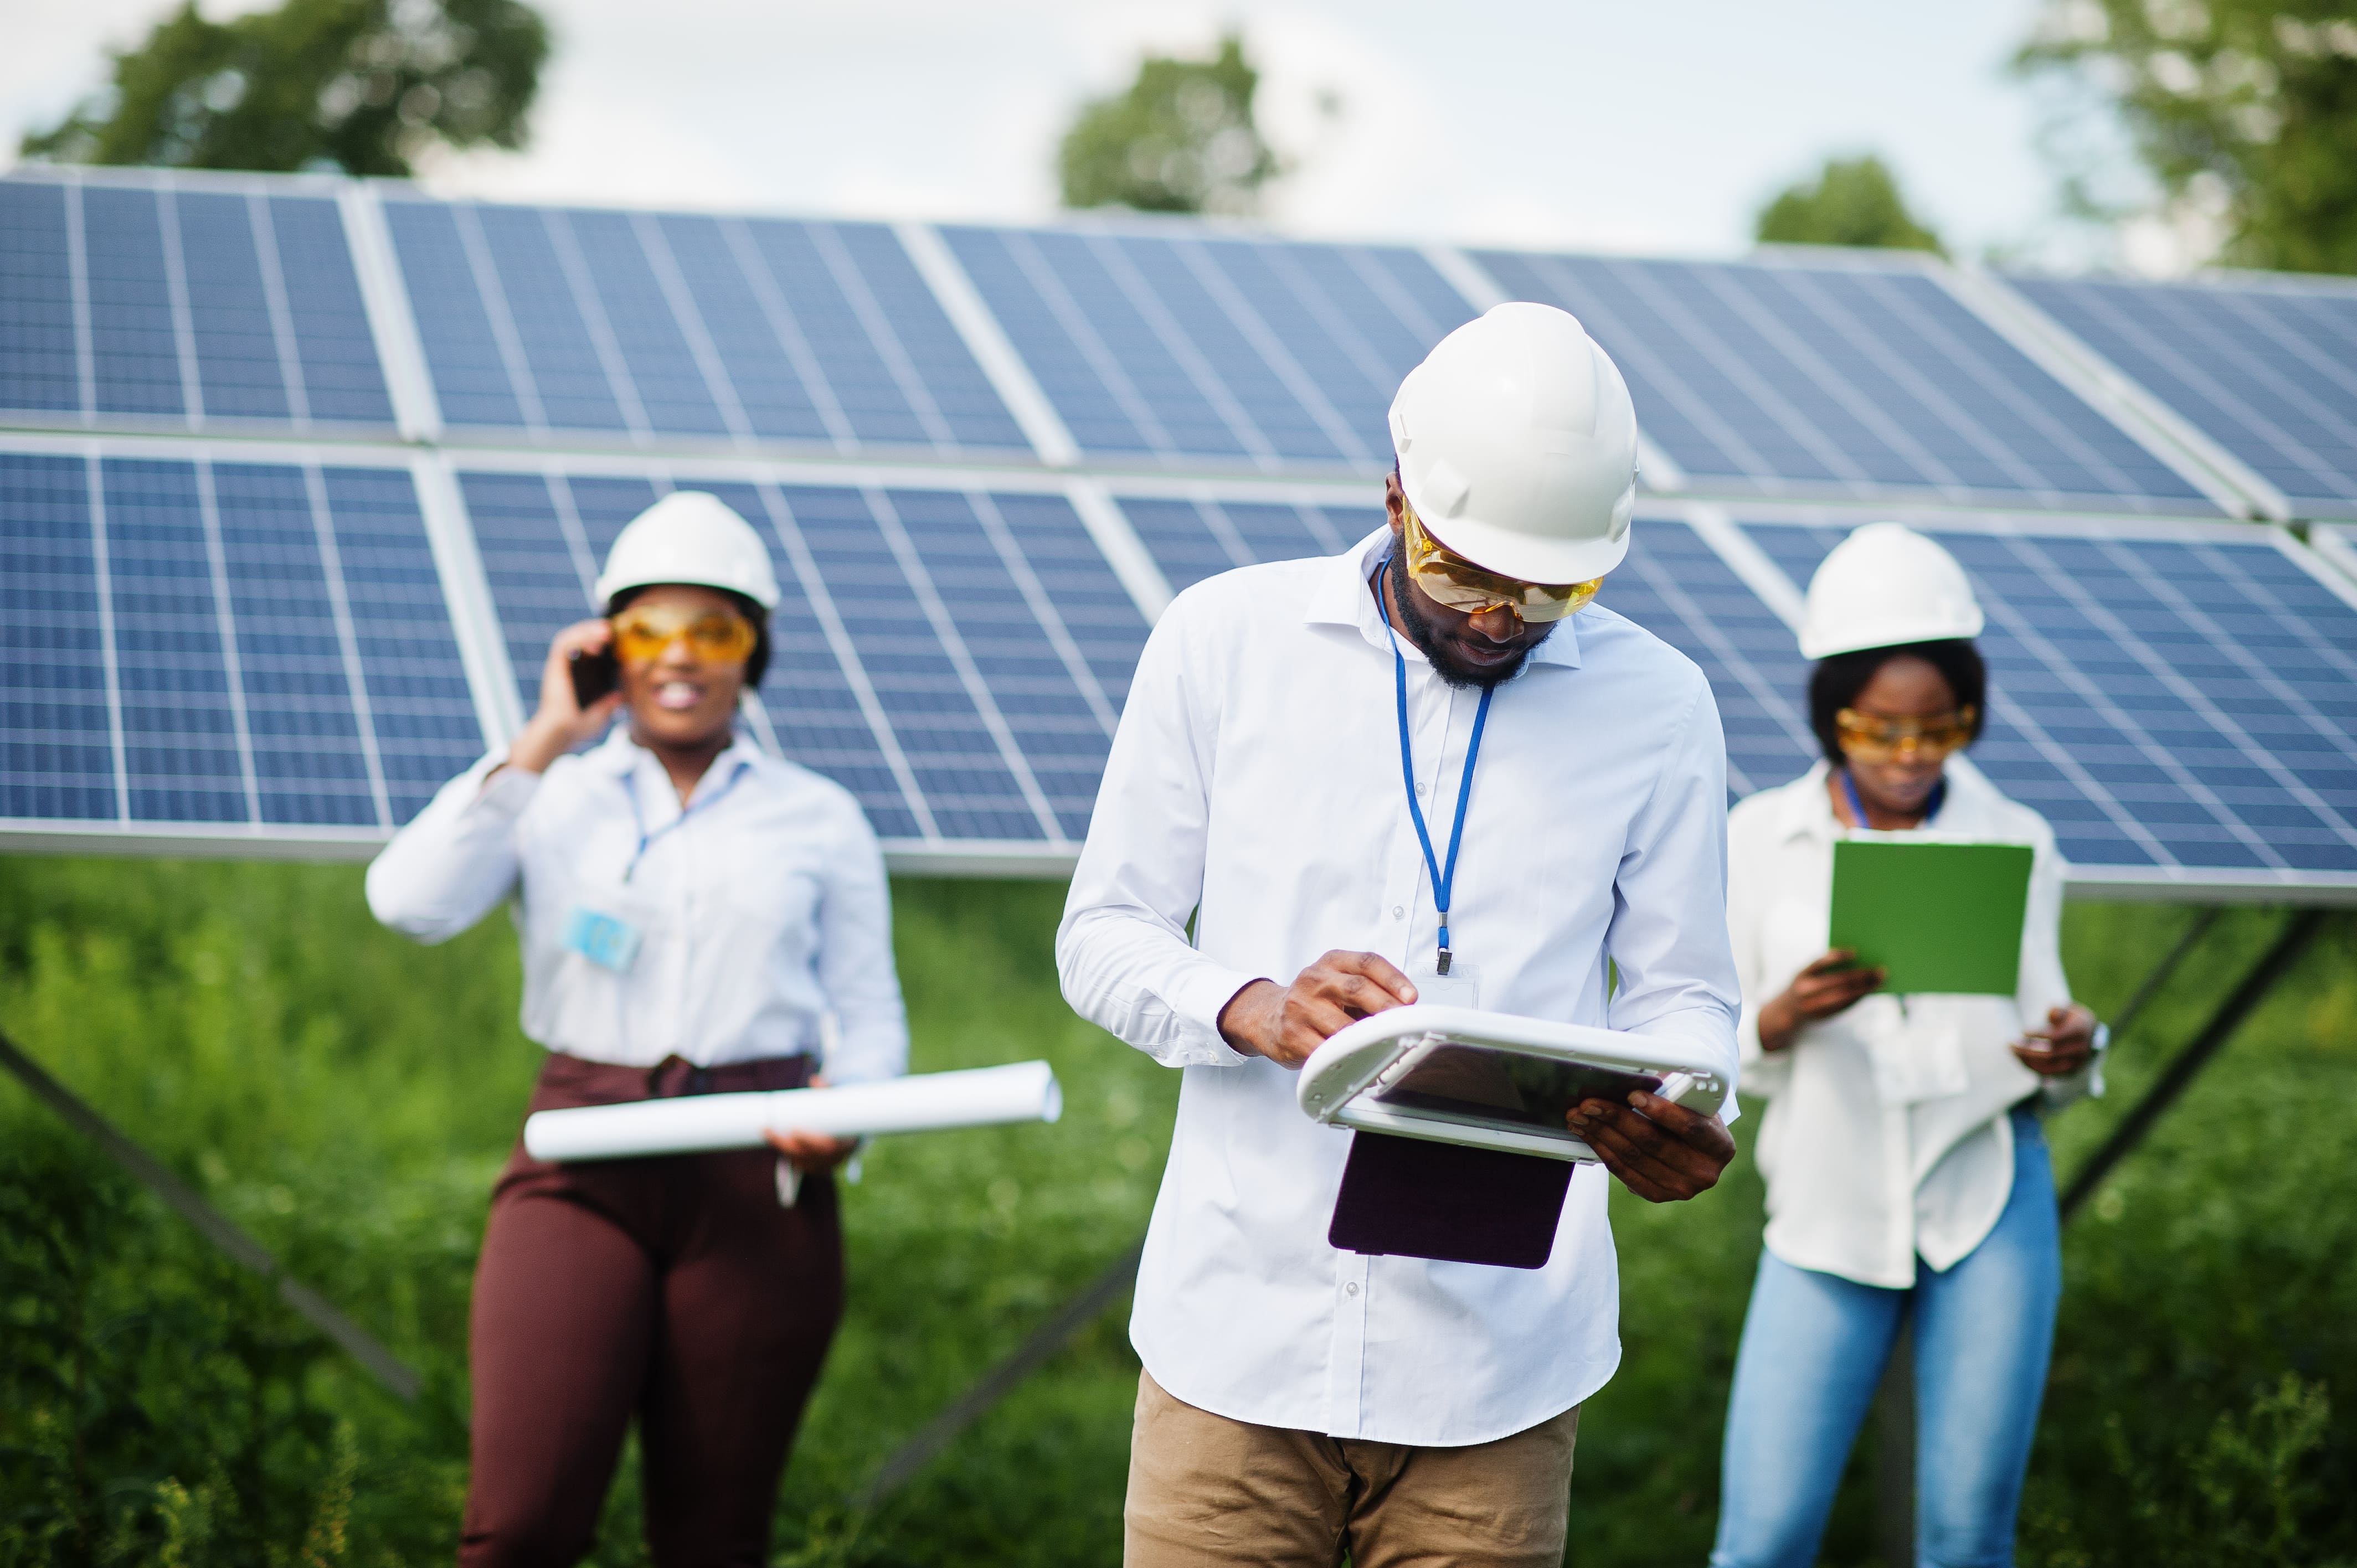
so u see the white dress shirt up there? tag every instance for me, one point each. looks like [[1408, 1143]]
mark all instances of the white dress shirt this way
[[762, 908], [1255, 783], [1886, 1133]]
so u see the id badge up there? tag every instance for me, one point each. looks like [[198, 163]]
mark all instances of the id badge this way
[[607, 936], [1460, 987]]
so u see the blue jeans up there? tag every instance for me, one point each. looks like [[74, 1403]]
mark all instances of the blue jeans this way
[[1814, 1349]]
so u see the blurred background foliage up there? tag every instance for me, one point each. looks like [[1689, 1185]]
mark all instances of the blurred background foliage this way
[[363, 86], [1181, 138], [2243, 111], [346, 1098], [1852, 201]]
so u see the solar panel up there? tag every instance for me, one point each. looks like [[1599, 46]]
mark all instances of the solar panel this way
[[272, 642], [683, 328], [2179, 702], [2264, 367], [1672, 584], [955, 658], [1824, 379], [158, 303], [1191, 348], [216, 645]]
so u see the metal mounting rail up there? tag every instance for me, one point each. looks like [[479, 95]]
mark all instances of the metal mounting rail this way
[[398, 1377]]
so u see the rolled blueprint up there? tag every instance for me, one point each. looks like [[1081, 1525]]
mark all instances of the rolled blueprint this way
[[694, 1123]]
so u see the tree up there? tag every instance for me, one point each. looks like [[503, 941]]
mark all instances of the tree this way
[[2246, 105], [1181, 139], [1853, 202], [362, 85]]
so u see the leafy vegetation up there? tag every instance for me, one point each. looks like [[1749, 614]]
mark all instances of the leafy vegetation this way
[[359, 85], [1853, 202], [1181, 138], [2245, 110], [346, 1097]]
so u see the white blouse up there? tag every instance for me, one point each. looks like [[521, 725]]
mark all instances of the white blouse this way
[[1886, 1133], [764, 916]]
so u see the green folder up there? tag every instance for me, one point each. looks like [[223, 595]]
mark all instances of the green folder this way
[[1938, 915]]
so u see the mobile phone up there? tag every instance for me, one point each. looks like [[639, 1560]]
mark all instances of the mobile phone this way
[[595, 675]]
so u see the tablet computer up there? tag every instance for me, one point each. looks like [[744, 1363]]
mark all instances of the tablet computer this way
[[1461, 1152], [1490, 1080]]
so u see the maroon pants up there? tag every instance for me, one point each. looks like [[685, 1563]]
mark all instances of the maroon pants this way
[[675, 1289]]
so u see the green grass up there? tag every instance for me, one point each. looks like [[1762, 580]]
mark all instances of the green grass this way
[[347, 1097]]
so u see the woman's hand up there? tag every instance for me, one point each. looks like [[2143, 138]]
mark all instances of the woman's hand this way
[[1827, 986], [813, 1153], [561, 723], [2064, 1047]]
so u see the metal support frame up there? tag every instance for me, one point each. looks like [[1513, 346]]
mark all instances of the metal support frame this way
[[1001, 1380], [2262, 978], [396, 1376]]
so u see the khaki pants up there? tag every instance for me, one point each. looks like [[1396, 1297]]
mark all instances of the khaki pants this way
[[1204, 1489]]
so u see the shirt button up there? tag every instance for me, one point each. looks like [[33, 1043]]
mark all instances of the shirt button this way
[[1350, 1289], [1399, 911], [1419, 788]]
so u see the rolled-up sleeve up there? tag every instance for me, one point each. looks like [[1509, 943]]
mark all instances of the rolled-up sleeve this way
[[457, 858], [855, 962], [1122, 950], [1669, 935]]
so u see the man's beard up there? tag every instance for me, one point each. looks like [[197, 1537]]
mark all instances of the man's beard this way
[[1427, 639]]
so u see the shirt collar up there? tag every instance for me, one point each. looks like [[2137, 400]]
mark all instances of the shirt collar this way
[[1342, 598], [619, 757], [1806, 810]]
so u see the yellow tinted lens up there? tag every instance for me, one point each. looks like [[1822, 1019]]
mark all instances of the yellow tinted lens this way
[[1872, 739], [720, 637], [1451, 580], [641, 635]]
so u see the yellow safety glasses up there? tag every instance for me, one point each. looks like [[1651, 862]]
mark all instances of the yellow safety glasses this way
[[1449, 579], [642, 632], [1870, 739]]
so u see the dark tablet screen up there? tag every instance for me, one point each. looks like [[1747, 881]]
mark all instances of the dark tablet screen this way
[[1506, 1087]]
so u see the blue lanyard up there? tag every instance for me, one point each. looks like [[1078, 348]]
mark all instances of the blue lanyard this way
[[1931, 807], [1443, 878], [638, 820]]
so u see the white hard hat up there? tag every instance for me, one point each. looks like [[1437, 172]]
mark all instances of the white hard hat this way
[[1517, 445], [1884, 585], [690, 537]]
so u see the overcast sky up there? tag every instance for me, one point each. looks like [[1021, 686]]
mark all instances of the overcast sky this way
[[1658, 127]]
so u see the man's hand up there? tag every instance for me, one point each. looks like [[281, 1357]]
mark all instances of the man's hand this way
[[1285, 1023], [1827, 986], [2063, 1047], [1662, 1152]]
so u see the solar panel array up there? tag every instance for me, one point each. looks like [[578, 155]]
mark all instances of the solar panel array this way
[[221, 647], [2266, 368], [1843, 380], [299, 475]]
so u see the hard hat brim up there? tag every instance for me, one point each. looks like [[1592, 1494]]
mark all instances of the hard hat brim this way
[[609, 585], [1962, 629], [1518, 555]]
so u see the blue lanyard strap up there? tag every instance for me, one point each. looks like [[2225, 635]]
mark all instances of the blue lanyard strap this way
[[638, 820], [1857, 808], [1443, 878]]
